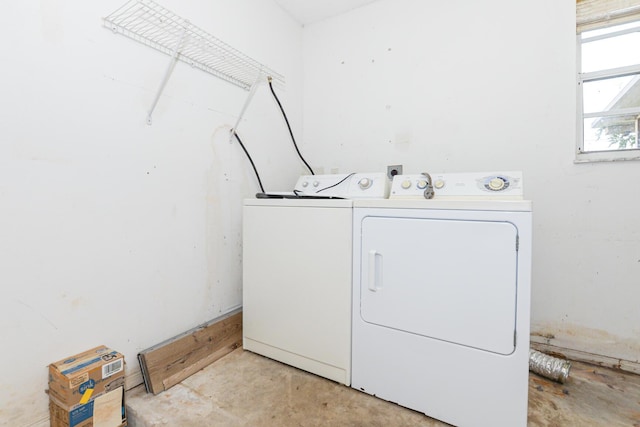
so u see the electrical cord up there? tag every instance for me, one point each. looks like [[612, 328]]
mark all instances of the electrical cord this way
[[250, 160], [289, 127], [337, 183]]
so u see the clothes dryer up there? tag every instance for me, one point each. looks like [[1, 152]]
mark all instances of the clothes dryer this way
[[441, 302]]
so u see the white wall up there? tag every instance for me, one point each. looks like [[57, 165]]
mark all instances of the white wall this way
[[111, 231], [479, 86]]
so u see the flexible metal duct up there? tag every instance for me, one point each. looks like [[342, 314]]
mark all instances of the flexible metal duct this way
[[548, 366]]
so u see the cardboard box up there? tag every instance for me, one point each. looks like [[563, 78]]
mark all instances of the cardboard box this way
[[87, 390]]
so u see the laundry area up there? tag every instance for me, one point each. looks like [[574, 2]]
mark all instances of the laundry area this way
[[303, 213]]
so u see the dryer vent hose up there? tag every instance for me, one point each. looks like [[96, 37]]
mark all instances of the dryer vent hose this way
[[548, 366]]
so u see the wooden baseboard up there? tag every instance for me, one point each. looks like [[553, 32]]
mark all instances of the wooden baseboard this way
[[540, 344], [170, 362]]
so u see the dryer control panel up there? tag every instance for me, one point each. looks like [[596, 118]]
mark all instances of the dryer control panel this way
[[348, 186], [466, 186]]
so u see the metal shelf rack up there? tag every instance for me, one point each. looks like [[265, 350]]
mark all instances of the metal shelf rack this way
[[151, 24]]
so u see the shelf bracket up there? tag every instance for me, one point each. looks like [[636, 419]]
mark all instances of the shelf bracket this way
[[167, 74], [252, 92]]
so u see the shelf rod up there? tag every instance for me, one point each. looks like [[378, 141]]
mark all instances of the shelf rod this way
[[167, 74], [252, 92]]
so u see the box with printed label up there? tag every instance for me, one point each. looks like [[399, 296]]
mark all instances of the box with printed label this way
[[88, 390]]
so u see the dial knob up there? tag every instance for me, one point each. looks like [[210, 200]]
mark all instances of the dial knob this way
[[305, 184], [422, 184], [439, 184], [406, 184], [316, 183], [365, 183], [496, 184]]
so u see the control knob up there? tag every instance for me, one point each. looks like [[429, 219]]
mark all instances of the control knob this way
[[496, 184], [365, 183]]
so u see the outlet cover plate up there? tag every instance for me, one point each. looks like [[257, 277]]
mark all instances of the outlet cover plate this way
[[393, 170]]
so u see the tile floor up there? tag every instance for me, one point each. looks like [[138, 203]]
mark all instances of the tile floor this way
[[244, 389]]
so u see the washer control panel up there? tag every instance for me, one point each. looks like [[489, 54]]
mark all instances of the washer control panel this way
[[481, 185], [347, 186]]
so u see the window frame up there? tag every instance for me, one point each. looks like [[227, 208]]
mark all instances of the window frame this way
[[604, 155]]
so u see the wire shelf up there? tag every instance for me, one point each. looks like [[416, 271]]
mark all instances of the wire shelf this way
[[151, 24]]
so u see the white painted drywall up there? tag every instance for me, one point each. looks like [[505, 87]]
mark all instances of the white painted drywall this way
[[111, 231], [462, 86]]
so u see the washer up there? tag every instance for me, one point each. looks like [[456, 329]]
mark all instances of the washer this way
[[297, 272], [441, 300], [297, 283]]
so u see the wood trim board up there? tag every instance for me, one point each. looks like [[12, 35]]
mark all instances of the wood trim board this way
[[170, 362]]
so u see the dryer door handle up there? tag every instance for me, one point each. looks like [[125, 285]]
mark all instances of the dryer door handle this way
[[375, 270]]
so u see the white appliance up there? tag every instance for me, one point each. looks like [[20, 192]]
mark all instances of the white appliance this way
[[297, 272], [351, 186], [441, 301]]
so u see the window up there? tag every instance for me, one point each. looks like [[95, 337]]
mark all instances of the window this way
[[608, 44]]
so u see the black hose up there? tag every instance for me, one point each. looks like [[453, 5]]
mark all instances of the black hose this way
[[250, 160], [289, 127]]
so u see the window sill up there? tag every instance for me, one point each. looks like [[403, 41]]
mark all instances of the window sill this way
[[607, 156]]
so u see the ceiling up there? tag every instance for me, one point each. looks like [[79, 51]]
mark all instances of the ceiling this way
[[310, 11]]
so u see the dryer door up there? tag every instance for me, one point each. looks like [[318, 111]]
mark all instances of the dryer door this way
[[450, 280]]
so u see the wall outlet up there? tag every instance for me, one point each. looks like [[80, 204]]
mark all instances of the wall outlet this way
[[394, 170]]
